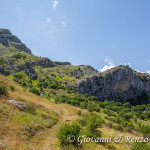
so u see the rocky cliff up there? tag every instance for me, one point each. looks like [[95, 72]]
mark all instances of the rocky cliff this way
[[7, 39], [120, 83]]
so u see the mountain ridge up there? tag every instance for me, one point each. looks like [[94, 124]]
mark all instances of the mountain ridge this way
[[120, 83]]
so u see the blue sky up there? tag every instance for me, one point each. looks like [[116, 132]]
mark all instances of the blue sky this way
[[100, 33]]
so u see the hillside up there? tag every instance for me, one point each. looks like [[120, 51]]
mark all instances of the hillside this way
[[38, 96]]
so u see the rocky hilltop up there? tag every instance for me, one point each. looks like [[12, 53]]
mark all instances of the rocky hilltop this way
[[16, 57], [120, 83], [7, 39]]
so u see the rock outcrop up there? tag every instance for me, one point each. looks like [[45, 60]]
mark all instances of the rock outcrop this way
[[19, 105], [44, 62], [3, 71], [85, 71], [7, 39], [61, 63], [120, 84], [30, 71]]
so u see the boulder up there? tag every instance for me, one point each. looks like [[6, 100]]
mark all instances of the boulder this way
[[17, 104]]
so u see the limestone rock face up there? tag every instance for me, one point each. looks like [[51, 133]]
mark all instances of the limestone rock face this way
[[30, 71], [120, 83], [62, 63], [45, 63], [7, 39], [86, 70]]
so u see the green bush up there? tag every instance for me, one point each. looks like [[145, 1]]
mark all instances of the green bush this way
[[68, 130], [1, 61], [31, 108], [125, 116], [82, 122], [140, 146], [83, 105], [79, 112], [18, 56], [145, 130], [3, 90], [101, 105], [35, 91], [110, 125], [12, 88], [119, 127], [94, 122]]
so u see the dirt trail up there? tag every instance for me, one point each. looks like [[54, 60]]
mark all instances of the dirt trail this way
[[50, 143], [66, 114]]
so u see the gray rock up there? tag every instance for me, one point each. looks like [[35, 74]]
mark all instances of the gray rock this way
[[30, 71], [4, 72], [7, 39], [45, 63], [17, 104], [120, 83], [5, 31], [61, 63]]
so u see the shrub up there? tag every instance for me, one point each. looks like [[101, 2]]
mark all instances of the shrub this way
[[119, 127], [83, 105], [140, 146], [12, 88], [18, 56], [35, 91], [1, 61], [94, 122], [68, 130], [79, 112], [145, 130], [101, 105], [125, 116], [18, 75], [3, 90], [110, 125], [31, 108], [97, 109], [82, 122]]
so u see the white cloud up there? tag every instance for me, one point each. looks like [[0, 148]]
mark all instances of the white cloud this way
[[109, 66], [55, 2], [48, 19], [17, 7], [148, 72], [64, 24], [18, 10]]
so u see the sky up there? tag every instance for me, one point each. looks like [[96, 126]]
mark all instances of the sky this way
[[100, 33]]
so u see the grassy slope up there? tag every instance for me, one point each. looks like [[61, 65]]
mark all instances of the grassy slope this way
[[44, 139]]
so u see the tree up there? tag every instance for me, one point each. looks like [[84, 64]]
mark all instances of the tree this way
[[66, 131], [94, 122]]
